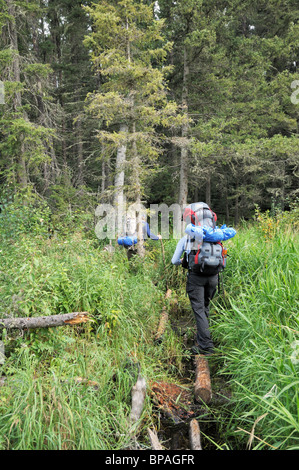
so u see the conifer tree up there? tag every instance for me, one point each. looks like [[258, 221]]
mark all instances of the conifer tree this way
[[23, 138], [132, 107]]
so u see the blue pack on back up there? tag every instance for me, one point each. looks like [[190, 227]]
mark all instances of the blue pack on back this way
[[126, 241]]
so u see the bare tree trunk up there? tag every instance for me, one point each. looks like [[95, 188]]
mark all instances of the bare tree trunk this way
[[183, 195], [103, 180], [137, 184], [79, 151], [13, 38], [119, 199], [226, 205], [237, 210], [208, 189], [140, 240], [54, 27], [119, 181]]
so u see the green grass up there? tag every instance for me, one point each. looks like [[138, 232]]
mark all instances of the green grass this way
[[257, 325], [42, 406]]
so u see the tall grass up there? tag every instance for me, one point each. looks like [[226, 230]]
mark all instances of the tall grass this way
[[256, 326], [42, 405]]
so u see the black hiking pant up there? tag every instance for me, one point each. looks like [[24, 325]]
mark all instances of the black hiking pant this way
[[131, 251], [201, 290]]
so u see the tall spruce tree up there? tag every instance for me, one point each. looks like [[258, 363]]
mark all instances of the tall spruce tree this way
[[24, 138], [131, 106]]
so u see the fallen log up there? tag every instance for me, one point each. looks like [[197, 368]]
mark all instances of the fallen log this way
[[162, 325], [138, 397], [202, 386], [194, 435], [2, 381], [168, 294], [155, 443], [45, 322]]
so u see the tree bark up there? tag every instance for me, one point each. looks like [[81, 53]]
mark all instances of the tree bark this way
[[119, 200], [80, 179], [119, 197], [137, 184], [45, 322]]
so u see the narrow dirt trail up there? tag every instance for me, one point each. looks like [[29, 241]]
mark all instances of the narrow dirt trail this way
[[179, 412]]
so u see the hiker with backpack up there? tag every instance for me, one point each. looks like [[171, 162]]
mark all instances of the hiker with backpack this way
[[205, 257], [129, 241]]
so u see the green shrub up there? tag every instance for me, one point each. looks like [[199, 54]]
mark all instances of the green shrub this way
[[23, 213]]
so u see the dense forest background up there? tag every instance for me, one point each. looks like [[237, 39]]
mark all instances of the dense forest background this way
[[171, 101]]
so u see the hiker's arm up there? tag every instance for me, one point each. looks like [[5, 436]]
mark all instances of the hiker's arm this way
[[149, 233], [176, 259]]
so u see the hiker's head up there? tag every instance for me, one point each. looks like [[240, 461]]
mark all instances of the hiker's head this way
[[189, 216]]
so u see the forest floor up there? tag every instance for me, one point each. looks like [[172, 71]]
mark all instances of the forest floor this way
[[177, 404]]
